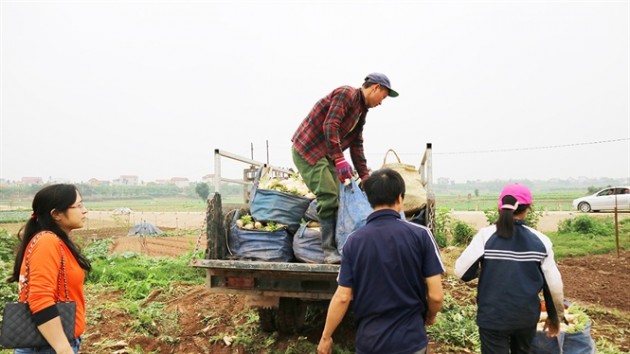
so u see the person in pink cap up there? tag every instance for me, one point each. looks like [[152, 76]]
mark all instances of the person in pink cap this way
[[514, 263]]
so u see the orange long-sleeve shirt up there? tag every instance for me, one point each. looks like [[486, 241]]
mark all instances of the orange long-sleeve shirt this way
[[44, 274]]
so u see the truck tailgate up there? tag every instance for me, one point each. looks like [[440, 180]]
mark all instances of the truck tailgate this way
[[299, 280]]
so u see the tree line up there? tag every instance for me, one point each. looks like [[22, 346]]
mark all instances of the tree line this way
[[112, 192]]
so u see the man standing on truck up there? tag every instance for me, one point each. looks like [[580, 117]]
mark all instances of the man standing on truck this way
[[333, 125], [392, 271]]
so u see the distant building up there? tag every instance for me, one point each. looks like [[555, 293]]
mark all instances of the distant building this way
[[95, 182], [209, 178], [443, 180], [127, 180], [28, 181], [58, 180], [180, 182]]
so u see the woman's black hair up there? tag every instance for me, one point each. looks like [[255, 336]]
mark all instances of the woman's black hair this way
[[505, 223], [58, 197], [383, 187]]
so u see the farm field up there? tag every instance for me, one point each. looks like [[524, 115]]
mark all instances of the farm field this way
[[599, 282], [596, 281], [547, 201]]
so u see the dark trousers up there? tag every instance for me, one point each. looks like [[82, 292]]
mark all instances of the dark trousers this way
[[516, 341]]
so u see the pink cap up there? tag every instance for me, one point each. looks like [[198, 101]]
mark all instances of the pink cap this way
[[519, 191]]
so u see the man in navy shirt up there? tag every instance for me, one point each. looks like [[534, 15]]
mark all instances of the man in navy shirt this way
[[392, 271]]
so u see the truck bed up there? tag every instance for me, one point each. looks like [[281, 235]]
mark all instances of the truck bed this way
[[270, 279]]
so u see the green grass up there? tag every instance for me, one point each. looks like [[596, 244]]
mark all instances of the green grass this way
[[8, 217], [149, 205], [542, 201], [456, 327], [586, 235], [22, 209]]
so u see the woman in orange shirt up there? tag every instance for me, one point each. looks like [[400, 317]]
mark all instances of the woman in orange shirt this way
[[57, 210]]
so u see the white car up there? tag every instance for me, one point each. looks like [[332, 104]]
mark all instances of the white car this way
[[605, 200]]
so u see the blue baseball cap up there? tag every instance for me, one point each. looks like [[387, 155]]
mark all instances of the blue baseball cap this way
[[382, 80]]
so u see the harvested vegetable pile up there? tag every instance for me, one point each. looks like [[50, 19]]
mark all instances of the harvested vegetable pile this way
[[247, 222], [577, 318], [294, 185]]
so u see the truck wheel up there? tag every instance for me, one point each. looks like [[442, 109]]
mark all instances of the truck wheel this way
[[291, 315], [267, 319]]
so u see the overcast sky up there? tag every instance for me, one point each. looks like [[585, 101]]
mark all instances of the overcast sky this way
[[503, 89]]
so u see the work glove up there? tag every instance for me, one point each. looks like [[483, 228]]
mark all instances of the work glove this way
[[344, 170]]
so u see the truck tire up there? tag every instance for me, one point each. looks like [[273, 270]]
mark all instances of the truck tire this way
[[267, 319], [291, 315]]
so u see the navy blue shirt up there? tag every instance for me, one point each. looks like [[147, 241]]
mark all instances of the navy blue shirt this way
[[386, 263]]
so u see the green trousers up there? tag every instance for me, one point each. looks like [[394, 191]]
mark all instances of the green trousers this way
[[322, 180]]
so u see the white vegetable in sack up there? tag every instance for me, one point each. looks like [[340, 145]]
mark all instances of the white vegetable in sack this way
[[578, 320], [294, 185], [247, 222]]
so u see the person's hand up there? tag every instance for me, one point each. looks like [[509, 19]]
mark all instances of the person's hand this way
[[344, 170], [430, 321], [325, 346], [552, 327]]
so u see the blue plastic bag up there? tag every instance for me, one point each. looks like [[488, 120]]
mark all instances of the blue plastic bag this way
[[259, 245], [307, 245], [354, 209], [564, 343]]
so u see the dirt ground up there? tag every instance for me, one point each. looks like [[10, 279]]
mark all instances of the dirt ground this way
[[205, 318], [191, 220]]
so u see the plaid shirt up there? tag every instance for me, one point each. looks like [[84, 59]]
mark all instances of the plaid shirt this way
[[334, 124]]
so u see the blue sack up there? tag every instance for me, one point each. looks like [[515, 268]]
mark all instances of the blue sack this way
[[259, 245], [307, 245], [279, 207], [564, 343], [354, 209]]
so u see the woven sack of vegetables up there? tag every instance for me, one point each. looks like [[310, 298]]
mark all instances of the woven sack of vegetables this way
[[307, 244], [354, 208], [415, 194], [574, 338], [282, 201], [250, 239]]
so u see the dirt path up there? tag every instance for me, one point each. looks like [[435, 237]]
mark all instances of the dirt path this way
[[177, 220], [193, 220]]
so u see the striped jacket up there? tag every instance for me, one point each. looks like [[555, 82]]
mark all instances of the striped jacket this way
[[510, 276]]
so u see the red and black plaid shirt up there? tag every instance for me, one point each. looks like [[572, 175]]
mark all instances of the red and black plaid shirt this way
[[334, 124]]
